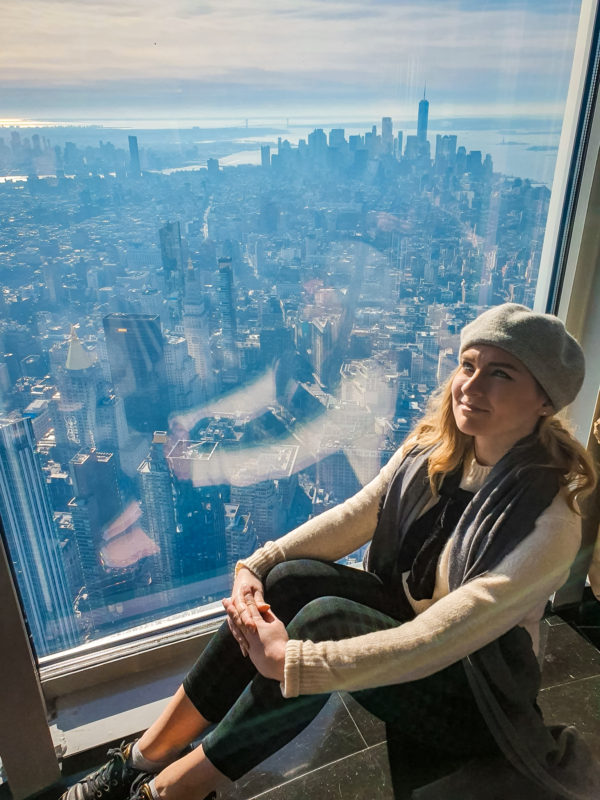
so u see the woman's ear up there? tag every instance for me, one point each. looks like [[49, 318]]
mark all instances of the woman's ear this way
[[547, 408]]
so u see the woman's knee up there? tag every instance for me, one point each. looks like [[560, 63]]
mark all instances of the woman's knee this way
[[332, 617], [291, 576], [290, 585], [276, 575]]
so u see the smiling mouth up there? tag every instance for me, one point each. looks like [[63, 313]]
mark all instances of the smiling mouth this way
[[468, 407]]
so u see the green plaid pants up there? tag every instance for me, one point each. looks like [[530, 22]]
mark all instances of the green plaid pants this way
[[323, 601]]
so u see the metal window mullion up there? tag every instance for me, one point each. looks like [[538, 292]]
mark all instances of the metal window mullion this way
[[570, 160], [26, 746], [577, 301], [579, 163]]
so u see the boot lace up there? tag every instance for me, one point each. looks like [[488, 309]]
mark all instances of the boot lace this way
[[101, 781]]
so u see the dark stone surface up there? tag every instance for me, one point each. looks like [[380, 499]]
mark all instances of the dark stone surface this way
[[333, 735], [344, 753], [363, 776], [575, 703], [567, 656], [371, 729]]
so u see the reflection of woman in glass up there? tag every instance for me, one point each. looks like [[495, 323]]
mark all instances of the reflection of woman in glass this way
[[473, 526]]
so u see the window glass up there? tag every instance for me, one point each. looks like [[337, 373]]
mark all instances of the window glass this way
[[238, 243]]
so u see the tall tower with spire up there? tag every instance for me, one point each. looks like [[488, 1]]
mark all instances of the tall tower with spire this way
[[79, 386], [423, 118]]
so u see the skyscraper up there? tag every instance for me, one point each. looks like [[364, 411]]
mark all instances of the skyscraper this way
[[323, 337], [267, 499], [263, 502], [79, 385], [398, 145], [212, 165], [197, 332], [200, 493], [182, 383], [387, 135], [135, 348], [227, 310], [33, 541], [445, 151], [317, 146], [275, 338], [201, 513], [96, 503], [422, 119], [158, 505], [134, 157], [337, 138], [240, 536], [172, 255], [111, 425]]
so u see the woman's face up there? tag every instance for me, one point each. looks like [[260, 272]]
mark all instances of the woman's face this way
[[496, 400]]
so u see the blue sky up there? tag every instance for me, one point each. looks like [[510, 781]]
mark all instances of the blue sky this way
[[106, 58]]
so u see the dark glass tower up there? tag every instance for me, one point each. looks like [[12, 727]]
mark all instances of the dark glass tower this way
[[96, 504], [135, 348]]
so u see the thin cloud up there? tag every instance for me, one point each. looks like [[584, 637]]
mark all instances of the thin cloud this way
[[347, 47]]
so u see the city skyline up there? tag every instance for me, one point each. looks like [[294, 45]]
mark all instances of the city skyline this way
[[194, 60], [226, 352]]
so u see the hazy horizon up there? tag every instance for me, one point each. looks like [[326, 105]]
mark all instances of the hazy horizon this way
[[67, 60], [279, 121]]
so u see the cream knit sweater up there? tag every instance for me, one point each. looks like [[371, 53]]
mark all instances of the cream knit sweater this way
[[447, 627]]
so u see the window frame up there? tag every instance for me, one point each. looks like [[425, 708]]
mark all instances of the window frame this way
[[566, 285]]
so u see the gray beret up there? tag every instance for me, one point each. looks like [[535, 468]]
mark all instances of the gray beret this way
[[540, 341]]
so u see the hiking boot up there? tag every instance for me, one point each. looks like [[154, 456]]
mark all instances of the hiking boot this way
[[111, 782], [141, 791]]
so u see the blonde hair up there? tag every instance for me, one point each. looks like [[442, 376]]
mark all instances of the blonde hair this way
[[438, 427]]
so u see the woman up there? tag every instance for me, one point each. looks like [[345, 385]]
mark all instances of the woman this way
[[473, 525]]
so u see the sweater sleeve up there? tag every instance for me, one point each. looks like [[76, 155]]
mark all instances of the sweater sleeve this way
[[458, 624], [333, 534]]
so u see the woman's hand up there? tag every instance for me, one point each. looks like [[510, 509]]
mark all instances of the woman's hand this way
[[244, 580], [266, 644], [239, 618]]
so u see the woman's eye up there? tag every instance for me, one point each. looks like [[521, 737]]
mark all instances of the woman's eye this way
[[467, 367], [501, 374]]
